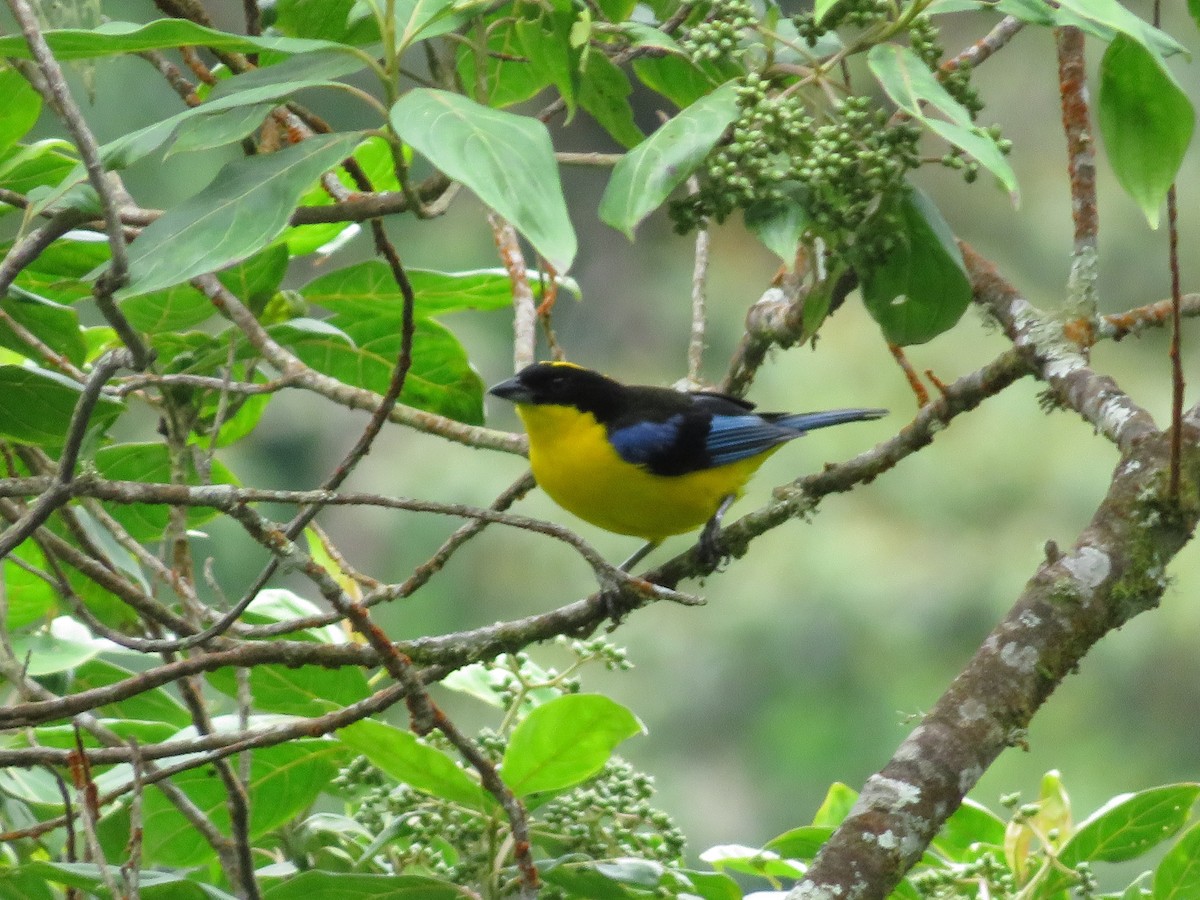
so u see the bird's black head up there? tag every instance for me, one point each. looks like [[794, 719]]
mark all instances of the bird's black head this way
[[560, 384]]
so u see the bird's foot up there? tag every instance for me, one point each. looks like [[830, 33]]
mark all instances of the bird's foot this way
[[711, 552]]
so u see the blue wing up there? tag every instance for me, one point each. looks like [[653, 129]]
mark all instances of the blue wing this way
[[731, 438]]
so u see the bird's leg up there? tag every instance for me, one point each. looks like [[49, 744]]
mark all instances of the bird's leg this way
[[638, 555], [709, 550]]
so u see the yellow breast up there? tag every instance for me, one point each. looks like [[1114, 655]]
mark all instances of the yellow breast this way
[[575, 464]]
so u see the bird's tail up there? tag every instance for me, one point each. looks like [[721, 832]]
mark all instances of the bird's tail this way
[[808, 421]]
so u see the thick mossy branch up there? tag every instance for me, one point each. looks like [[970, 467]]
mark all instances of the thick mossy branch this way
[[1115, 570]]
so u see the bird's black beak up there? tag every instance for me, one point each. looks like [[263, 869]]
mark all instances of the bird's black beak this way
[[512, 389]]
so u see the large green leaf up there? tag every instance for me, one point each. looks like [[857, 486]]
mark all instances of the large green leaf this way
[[156, 705], [675, 76], [20, 109], [54, 324], [506, 159], [284, 780], [152, 884], [245, 207], [1147, 122], [910, 84], [604, 92], [110, 38], [921, 288], [501, 76], [403, 756], [566, 741], [1130, 825], [1178, 875], [297, 690], [36, 405], [971, 829], [29, 598], [28, 167], [441, 379], [648, 173], [172, 309], [59, 272], [325, 19], [368, 289], [151, 462]]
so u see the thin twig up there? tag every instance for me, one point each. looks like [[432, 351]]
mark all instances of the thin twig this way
[[1081, 167], [524, 306], [695, 355]]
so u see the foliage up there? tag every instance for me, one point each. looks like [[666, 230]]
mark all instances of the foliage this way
[[156, 721]]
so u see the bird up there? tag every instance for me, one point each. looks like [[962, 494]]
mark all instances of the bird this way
[[649, 462]]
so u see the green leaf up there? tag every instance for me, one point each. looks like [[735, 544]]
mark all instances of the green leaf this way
[[20, 110], [374, 157], [506, 77], [239, 213], [425, 19], [821, 9], [648, 173], [566, 741], [617, 11], [29, 597], [255, 280], [440, 380], [36, 405], [751, 861], [216, 129], [1178, 875], [28, 167], [55, 325], [151, 462], [507, 160], [284, 780], [921, 288], [779, 224], [25, 883], [1131, 824], [403, 756], [544, 42], [971, 824], [297, 690], [801, 843], [368, 289], [329, 19], [152, 884], [1146, 120], [320, 67], [677, 78], [110, 38], [1194, 9], [156, 705], [173, 309], [307, 885], [59, 272], [839, 800], [49, 652], [910, 84], [604, 92], [1112, 17]]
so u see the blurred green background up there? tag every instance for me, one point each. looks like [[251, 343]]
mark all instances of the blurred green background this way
[[815, 651]]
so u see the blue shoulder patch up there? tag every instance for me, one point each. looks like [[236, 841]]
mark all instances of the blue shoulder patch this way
[[642, 442]]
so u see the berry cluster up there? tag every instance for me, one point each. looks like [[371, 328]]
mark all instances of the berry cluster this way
[[718, 32], [859, 13], [847, 173]]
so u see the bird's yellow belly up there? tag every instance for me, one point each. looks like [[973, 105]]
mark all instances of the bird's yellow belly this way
[[575, 464]]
